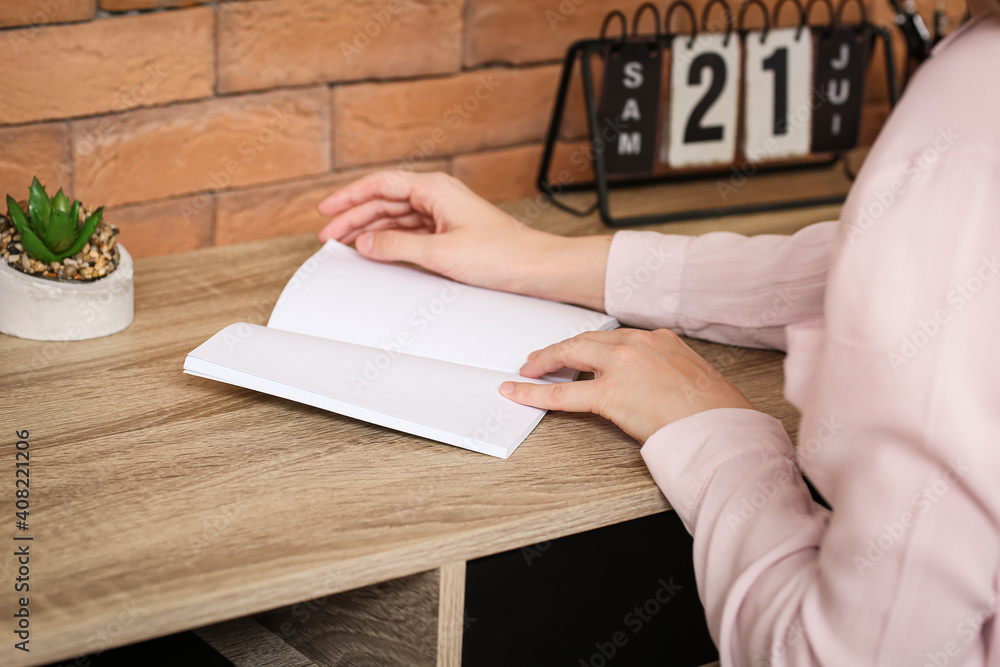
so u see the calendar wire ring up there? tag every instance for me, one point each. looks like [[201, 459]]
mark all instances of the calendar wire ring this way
[[681, 4], [617, 13], [729, 18], [831, 12], [861, 7], [802, 16], [655, 42], [743, 12]]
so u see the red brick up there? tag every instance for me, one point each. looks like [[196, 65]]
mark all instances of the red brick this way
[[289, 208], [525, 31], [574, 121], [291, 42], [33, 150], [382, 122], [164, 228], [125, 5], [572, 162], [511, 174], [40, 12], [503, 175], [201, 146], [107, 65]]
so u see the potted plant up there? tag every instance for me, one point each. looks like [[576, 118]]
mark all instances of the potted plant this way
[[63, 275]]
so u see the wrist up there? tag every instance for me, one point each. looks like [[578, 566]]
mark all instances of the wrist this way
[[567, 269]]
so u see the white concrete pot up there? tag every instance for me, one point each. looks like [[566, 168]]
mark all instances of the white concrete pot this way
[[43, 309]]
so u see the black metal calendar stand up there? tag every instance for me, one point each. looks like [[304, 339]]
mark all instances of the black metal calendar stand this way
[[584, 51]]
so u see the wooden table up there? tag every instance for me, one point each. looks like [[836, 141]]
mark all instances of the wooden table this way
[[162, 502]]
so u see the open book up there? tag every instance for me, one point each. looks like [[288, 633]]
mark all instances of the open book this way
[[399, 347]]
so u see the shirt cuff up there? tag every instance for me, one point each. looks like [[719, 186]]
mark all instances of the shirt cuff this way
[[642, 285], [683, 456]]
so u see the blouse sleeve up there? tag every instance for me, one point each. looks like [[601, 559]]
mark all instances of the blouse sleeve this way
[[721, 286]]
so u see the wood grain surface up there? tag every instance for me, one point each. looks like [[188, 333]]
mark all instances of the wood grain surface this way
[[390, 624], [162, 502], [247, 643]]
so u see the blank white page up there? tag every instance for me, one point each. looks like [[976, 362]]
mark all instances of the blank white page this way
[[340, 295], [450, 403]]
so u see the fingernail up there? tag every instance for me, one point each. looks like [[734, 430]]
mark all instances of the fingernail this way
[[364, 243], [533, 354], [506, 388]]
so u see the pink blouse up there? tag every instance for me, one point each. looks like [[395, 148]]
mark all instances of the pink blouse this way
[[891, 320]]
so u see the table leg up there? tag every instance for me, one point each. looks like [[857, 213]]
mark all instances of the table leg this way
[[451, 614]]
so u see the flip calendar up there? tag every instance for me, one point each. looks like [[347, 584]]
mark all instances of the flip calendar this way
[[715, 95]]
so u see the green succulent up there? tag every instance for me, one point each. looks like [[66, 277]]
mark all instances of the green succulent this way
[[50, 231]]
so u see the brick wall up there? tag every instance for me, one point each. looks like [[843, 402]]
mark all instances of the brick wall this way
[[202, 123]]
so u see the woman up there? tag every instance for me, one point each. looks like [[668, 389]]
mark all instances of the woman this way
[[890, 318]]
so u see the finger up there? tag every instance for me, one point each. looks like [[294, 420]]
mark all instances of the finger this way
[[409, 221], [577, 396], [397, 185], [586, 352], [376, 226], [374, 219], [392, 185], [396, 246], [358, 218]]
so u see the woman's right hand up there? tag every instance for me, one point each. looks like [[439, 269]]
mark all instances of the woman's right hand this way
[[435, 221]]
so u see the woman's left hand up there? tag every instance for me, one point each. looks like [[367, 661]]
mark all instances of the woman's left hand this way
[[643, 380]]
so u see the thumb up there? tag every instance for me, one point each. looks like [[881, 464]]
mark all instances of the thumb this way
[[394, 246]]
